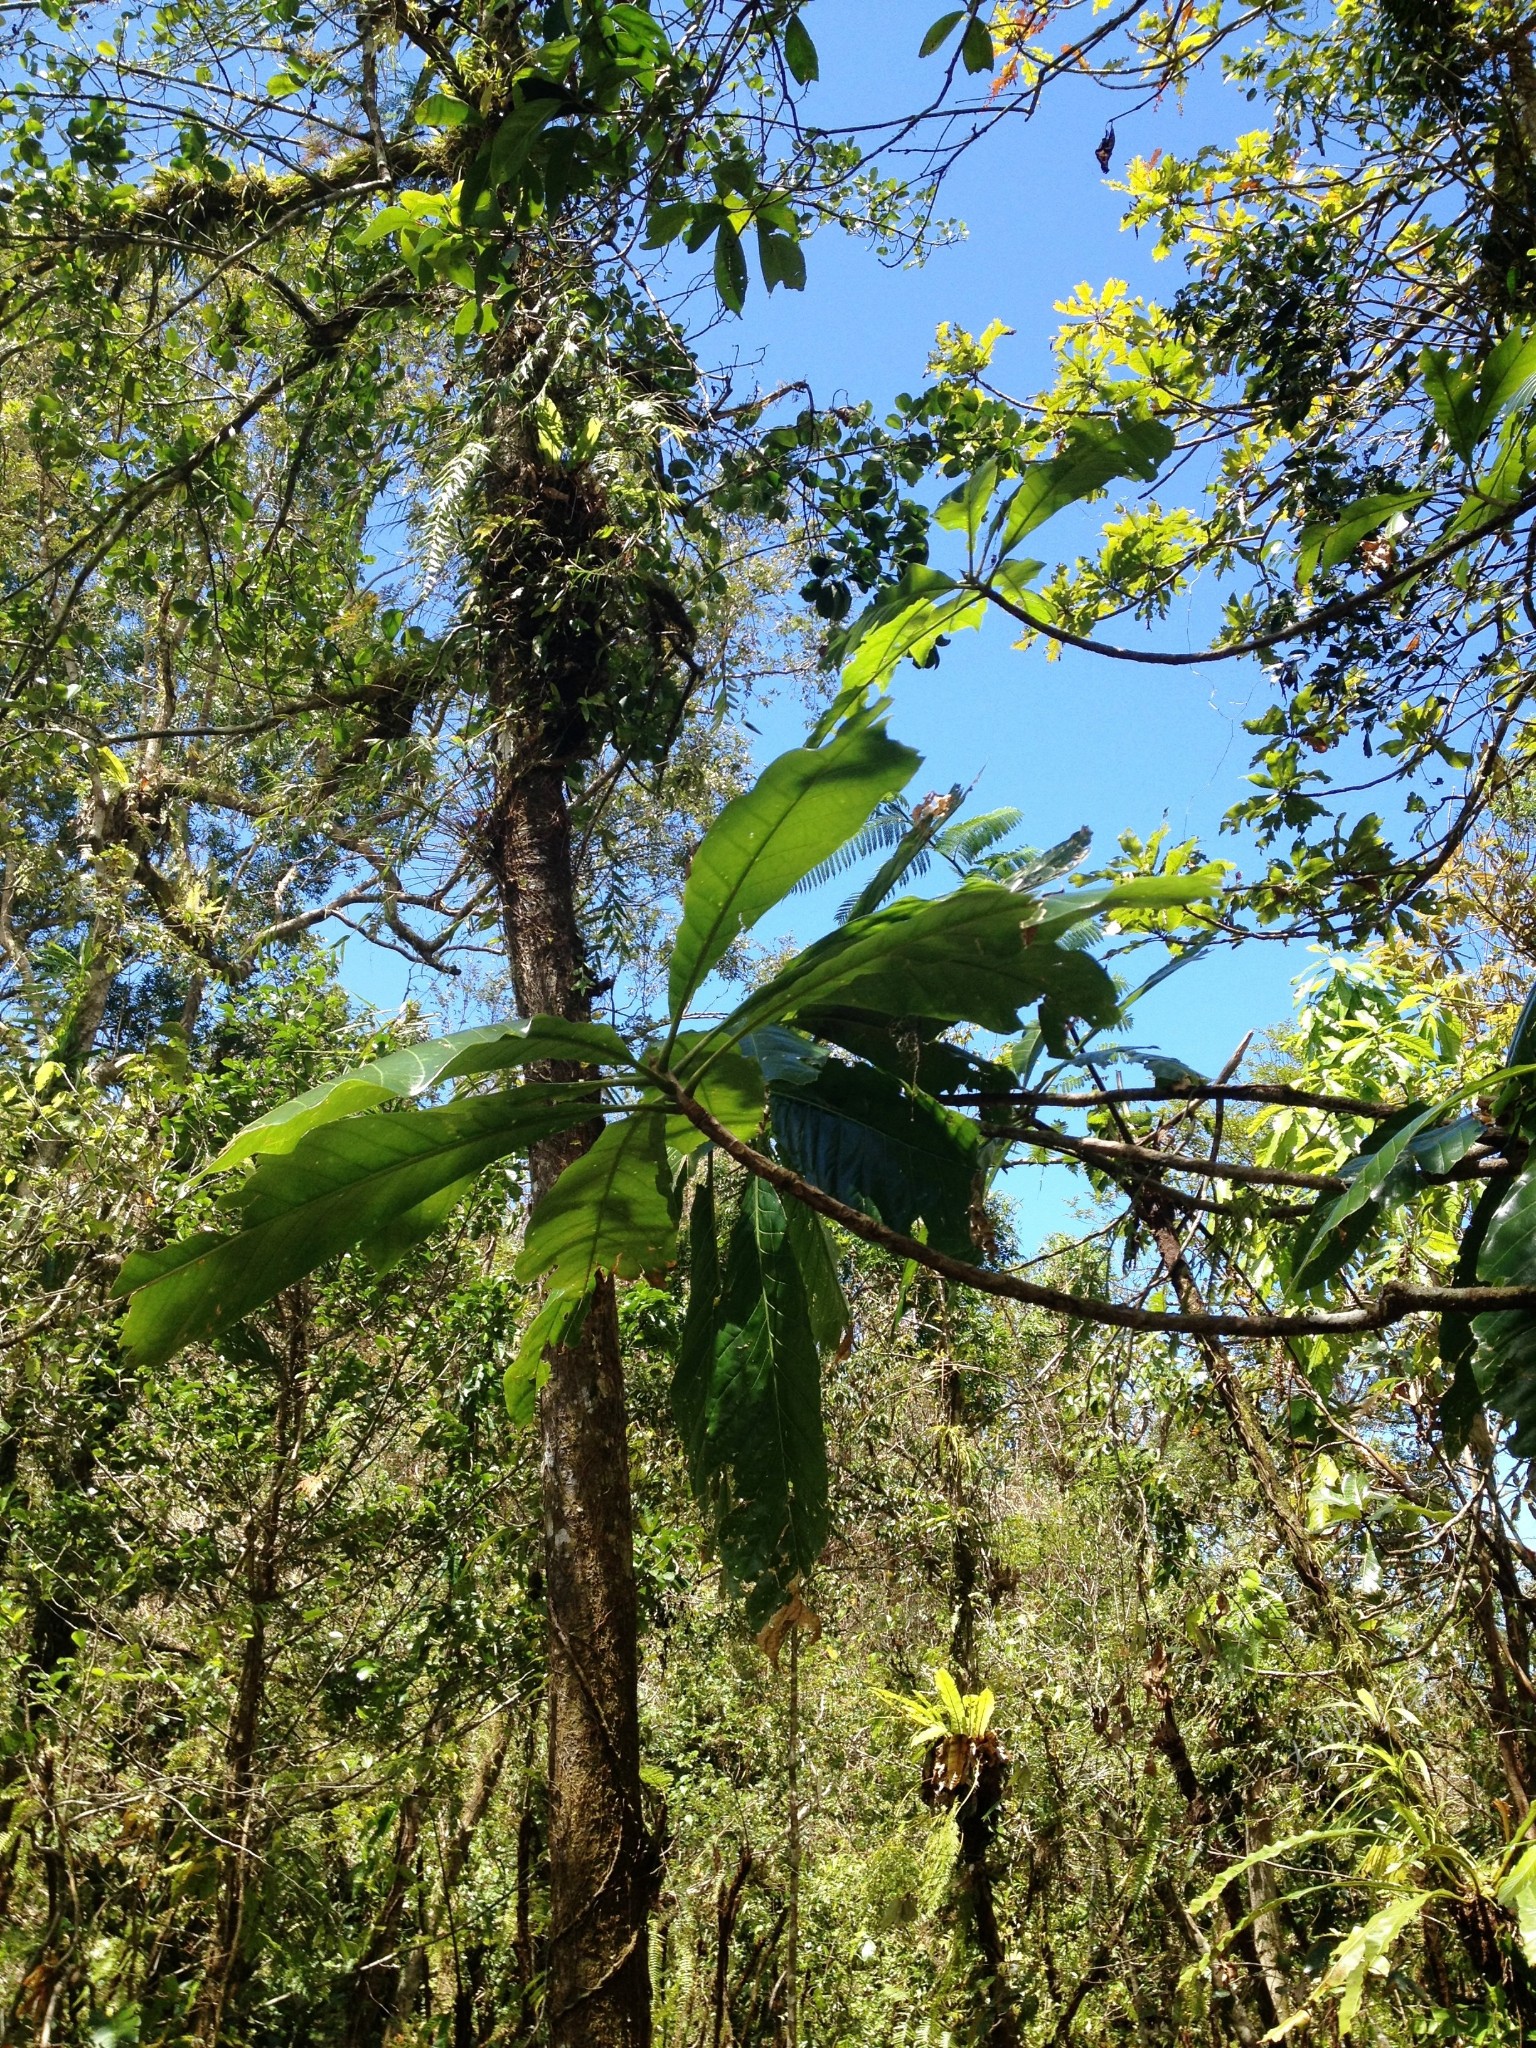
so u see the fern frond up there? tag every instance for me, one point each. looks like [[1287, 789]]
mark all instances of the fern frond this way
[[968, 838], [885, 829], [912, 857], [439, 538]]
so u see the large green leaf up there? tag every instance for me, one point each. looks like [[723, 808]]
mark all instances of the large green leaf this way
[[1515, 1103], [611, 1211], [748, 1399], [1505, 1358], [732, 1090], [800, 810], [1381, 1173], [811, 1246], [912, 1049], [1333, 540], [1091, 460], [1381, 1168], [1493, 1357], [417, 1070], [1470, 396], [965, 507], [906, 627], [893, 1153], [557, 1323], [953, 959], [1463, 1399], [340, 1185], [974, 956]]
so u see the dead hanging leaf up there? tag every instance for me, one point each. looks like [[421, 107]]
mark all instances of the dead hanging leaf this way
[[1155, 1676], [935, 806], [961, 1768], [1377, 554], [793, 1614]]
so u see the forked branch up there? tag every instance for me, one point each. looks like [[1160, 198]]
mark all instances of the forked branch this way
[[1394, 1303]]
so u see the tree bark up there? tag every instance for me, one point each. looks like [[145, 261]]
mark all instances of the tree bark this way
[[226, 1960], [598, 1967]]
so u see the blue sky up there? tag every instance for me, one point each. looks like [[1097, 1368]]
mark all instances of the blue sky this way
[[1074, 741], [1077, 740]]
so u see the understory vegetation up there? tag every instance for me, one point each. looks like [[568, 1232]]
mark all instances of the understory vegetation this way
[[579, 1509]]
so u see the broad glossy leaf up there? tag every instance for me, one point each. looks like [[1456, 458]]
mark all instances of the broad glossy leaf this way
[[1505, 1358], [894, 1154], [1442, 1146], [1331, 542], [730, 268], [963, 509], [1089, 462], [761, 1449], [800, 52], [340, 1185], [385, 1248], [1071, 907], [918, 581], [611, 1211], [811, 1246], [1470, 396], [911, 634], [1381, 1170], [1463, 1399], [557, 1323], [956, 958], [912, 1049], [1500, 483], [1321, 1252], [977, 51], [798, 812], [783, 1054], [781, 258], [1363, 1953], [1515, 1103], [731, 1089], [417, 1069], [939, 31]]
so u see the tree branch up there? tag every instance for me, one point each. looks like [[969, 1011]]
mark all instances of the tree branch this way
[[1312, 622], [1396, 1301]]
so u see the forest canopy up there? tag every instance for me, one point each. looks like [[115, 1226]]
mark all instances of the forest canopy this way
[[574, 1509]]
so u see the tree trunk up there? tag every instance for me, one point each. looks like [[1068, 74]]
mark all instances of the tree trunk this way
[[452, 1859], [226, 1958], [599, 1977]]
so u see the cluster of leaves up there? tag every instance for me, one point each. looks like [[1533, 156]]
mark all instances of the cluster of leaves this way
[[332, 1171]]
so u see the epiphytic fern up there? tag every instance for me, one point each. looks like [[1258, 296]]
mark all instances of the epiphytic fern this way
[[439, 538]]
